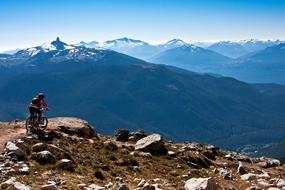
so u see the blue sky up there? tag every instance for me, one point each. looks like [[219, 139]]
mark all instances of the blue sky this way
[[32, 22]]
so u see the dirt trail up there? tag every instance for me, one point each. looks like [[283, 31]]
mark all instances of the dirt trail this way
[[10, 131]]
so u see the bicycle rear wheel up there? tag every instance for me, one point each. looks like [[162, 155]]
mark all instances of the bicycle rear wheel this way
[[29, 122]]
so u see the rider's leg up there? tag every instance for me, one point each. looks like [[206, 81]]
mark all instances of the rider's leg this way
[[38, 112]]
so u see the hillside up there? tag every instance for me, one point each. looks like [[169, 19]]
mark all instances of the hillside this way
[[70, 155], [276, 150]]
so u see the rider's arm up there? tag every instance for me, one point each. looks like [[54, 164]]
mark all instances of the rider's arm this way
[[44, 104]]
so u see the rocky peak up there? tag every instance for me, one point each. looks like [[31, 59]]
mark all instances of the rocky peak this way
[[59, 44]]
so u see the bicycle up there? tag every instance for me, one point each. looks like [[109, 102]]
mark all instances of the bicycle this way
[[37, 121]]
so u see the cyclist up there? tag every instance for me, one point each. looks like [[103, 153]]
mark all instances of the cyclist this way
[[36, 105]]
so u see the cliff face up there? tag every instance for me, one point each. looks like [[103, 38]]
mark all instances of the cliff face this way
[[71, 155]]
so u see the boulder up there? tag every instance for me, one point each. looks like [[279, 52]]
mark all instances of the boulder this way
[[12, 183], [136, 135], [13, 150], [44, 157], [195, 159], [152, 143], [201, 184], [65, 164], [280, 183], [248, 177], [72, 126], [121, 135], [49, 187], [269, 163]]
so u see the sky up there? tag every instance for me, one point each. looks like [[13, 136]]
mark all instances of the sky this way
[[27, 23]]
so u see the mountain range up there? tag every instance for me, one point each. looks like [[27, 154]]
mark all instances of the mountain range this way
[[253, 61], [113, 90], [247, 60]]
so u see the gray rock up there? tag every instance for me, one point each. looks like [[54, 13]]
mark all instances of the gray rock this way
[[121, 135], [248, 177], [280, 183], [66, 164], [269, 162], [201, 184], [152, 143], [73, 126], [12, 183], [44, 157], [137, 135], [13, 148]]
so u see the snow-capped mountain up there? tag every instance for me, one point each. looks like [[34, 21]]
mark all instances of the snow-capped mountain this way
[[58, 52], [92, 44], [123, 42], [174, 43], [44, 48], [132, 47], [252, 45], [229, 49]]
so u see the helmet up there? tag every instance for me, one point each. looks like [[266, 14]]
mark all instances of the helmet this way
[[35, 101], [41, 95]]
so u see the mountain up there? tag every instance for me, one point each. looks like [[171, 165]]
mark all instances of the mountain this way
[[113, 90], [92, 44], [58, 51], [253, 45], [135, 48], [192, 57], [267, 66], [174, 43], [229, 49]]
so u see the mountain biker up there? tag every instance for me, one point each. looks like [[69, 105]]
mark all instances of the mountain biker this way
[[37, 103]]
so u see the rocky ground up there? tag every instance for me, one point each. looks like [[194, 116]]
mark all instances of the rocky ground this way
[[71, 155]]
